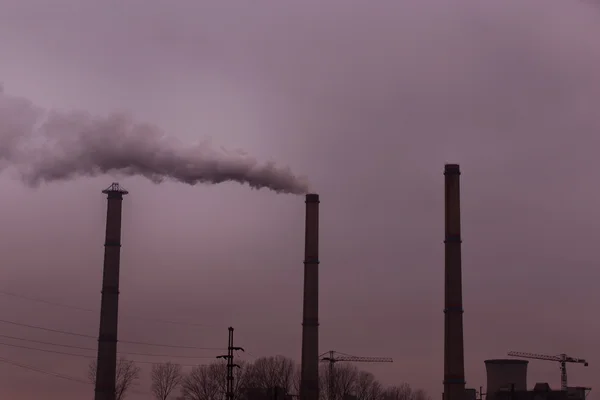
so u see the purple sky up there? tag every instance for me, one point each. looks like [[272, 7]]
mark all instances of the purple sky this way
[[369, 100]]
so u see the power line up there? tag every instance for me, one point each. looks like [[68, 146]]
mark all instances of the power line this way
[[92, 349], [94, 337], [36, 299], [81, 355], [173, 346], [39, 300], [48, 343], [45, 350], [41, 371], [46, 329], [57, 375], [165, 355]]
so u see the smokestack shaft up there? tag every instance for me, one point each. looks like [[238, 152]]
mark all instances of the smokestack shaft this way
[[106, 367], [454, 370], [309, 379]]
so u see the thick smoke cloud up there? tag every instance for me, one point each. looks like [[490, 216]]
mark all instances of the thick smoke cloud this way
[[47, 146]]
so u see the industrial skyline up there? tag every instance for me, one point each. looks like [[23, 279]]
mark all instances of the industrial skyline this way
[[502, 374], [369, 102]]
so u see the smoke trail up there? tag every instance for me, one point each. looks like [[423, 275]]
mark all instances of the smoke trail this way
[[47, 146]]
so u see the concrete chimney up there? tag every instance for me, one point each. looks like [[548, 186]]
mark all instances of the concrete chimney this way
[[309, 375], [505, 375], [454, 364], [106, 366]]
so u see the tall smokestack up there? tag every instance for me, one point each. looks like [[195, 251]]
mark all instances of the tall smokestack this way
[[309, 378], [454, 364], [106, 367]]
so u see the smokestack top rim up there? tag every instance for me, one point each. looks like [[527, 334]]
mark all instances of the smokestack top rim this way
[[115, 188], [312, 198], [452, 169], [506, 361]]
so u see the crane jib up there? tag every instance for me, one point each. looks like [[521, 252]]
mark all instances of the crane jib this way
[[563, 359]]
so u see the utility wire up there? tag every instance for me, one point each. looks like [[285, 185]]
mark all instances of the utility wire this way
[[94, 337], [81, 355], [164, 321], [57, 375], [48, 343], [172, 345], [40, 300], [41, 371], [92, 349], [36, 299], [46, 329], [45, 350]]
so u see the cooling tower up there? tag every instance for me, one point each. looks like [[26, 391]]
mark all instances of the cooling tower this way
[[454, 369], [503, 374], [106, 367], [309, 375]]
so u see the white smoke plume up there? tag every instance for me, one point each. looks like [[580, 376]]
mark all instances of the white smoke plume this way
[[46, 146]]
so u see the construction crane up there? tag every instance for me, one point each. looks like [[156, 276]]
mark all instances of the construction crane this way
[[563, 359], [333, 357]]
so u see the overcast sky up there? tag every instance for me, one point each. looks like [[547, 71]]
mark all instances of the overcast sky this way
[[368, 99]]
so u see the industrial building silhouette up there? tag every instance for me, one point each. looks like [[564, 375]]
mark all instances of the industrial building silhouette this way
[[507, 380]]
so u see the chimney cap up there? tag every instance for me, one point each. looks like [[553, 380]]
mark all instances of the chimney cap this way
[[312, 198], [452, 169], [115, 188]]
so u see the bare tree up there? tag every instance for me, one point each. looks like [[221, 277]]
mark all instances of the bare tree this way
[[267, 373], [404, 392], [341, 382], [203, 383], [325, 388], [401, 392], [420, 394], [296, 380], [347, 380], [128, 373], [209, 382], [165, 378], [240, 377], [367, 387]]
